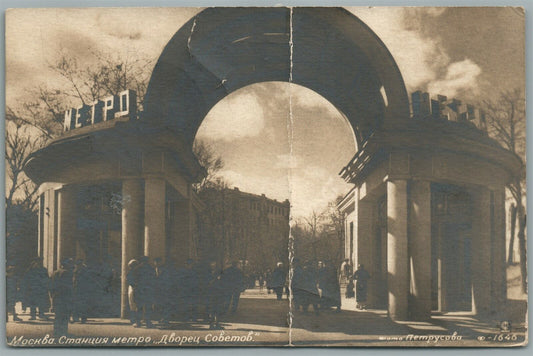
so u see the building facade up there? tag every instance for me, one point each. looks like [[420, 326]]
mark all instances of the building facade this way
[[426, 215], [246, 227], [115, 189]]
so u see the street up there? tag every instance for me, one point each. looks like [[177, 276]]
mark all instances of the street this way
[[263, 320]]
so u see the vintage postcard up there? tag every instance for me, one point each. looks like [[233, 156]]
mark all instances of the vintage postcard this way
[[266, 176]]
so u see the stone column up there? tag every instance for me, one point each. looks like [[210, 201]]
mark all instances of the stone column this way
[[132, 232], [363, 237], [420, 249], [66, 240], [398, 278], [441, 270], [154, 218], [481, 251], [499, 278]]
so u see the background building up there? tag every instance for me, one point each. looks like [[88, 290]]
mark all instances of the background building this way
[[245, 227]]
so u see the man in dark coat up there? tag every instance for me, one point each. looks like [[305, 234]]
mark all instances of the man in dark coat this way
[[36, 289], [361, 276], [328, 282], [232, 278], [309, 287], [215, 296], [162, 290], [167, 284], [83, 286], [144, 280], [202, 270], [131, 279], [268, 280], [11, 292], [62, 292], [278, 280], [188, 290]]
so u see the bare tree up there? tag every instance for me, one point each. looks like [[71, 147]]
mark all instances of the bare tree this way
[[507, 124], [336, 222], [20, 143], [108, 75], [313, 223], [212, 164]]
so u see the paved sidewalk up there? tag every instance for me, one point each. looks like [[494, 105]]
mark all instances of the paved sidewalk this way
[[263, 320]]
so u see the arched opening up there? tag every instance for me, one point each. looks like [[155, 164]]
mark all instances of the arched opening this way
[[222, 50], [279, 144]]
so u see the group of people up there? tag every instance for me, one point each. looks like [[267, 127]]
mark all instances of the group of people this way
[[161, 291], [316, 285], [360, 277], [69, 293], [190, 292], [320, 286]]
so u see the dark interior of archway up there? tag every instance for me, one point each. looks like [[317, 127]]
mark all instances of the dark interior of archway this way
[[222, 50]]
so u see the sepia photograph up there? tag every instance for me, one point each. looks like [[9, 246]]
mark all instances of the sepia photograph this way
[[265, 177]]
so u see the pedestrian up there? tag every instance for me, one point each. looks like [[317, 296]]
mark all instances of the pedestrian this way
[[188, 290], [131, 279], [83, 288], [304, 287], [162, 290], [278, 280], [11, 292], [350, 289], [144, 280], [310, 287], [36, 296], [215, 293], [261, 278], [346, 270], [329, 284], [268, 280], [62, 292], [202, 271], [361, 276], [232, 279]]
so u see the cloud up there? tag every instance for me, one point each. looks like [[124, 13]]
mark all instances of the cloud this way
[[304, 98], [287, 161], [239, 115], [312, 188], [419, 58], [116, 25], [460, 76], [422, 58]]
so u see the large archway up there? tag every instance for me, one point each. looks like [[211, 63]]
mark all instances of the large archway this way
[[223, 49]]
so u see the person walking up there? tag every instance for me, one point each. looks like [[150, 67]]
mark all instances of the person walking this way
[[11, 292], [82, 288], [215, 295], [131, 279], [36, 289], [278, 280], [164, 289], [232, 279], [361, 276], [62, 292], [328, 282], [188, 290], [145, 277]]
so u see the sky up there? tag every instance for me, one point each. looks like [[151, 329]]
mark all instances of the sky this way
[[468, 53]]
